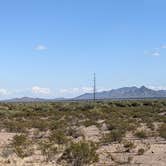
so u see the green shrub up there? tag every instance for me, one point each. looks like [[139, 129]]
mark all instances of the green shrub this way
[[16, 126], [114, 135], [128, 144], [20, 145], [112, 125], [162, 131], [72, 132], [80, 154], [141, 134], [141, 151], [135, 104], [120, 104], [48, 150], [88, 123], [150, 125], [58, 137]]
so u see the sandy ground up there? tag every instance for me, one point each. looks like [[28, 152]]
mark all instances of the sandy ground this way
[[6, 138], [109, 155]]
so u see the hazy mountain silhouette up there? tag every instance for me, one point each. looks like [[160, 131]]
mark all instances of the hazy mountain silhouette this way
[[121, 93], [124, 93]]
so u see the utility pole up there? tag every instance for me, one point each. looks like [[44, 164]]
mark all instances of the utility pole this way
[[94, 87]]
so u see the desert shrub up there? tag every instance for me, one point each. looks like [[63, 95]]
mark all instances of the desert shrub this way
[[147, 103], [20, 145], [111, 125], [128, 144], [135, 104], [132, 126], [48, 150], [79, 154], [163, 103], [95, 114], [140, 151], [85, 106], [58, 137], [162, 131], [114, 135], [15, 126], [42, 125], [56, 125], [119, 124], [88, 123], [141, 134], [120, 104], [72, 132], [150, 125]]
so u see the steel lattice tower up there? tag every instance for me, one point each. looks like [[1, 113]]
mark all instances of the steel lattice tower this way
[[94, 87]]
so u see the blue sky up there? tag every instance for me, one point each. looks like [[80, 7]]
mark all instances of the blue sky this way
[[50, 48]]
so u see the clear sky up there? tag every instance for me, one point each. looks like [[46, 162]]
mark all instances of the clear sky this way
[[50, 48]]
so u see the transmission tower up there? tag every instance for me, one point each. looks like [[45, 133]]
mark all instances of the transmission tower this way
[[94, 87]]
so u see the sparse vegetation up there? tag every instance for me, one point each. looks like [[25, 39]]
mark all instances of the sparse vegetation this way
[[128, 145], [141, 151], [141, 134], [58, 128], [162, 131], [58, 137], [113, 136], [20, 145], [79, 154], [48, 149]]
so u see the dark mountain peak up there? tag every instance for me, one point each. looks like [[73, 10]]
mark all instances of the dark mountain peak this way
[[144, 88]]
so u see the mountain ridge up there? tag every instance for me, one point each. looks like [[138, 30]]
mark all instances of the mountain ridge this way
[[120, 93], [125, 93]]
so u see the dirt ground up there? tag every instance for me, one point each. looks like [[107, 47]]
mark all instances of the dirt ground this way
[[109, 155]]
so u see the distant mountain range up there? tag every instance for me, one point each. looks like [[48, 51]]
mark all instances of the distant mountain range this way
[[121, 93], [125, 93], [31, 99]]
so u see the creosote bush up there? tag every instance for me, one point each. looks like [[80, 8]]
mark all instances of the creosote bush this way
[[113, 136], [21, 146], [162, 131], [58, 137], [141, 151], [48, 150], [128, 144], [79, 154], [141, 134]]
